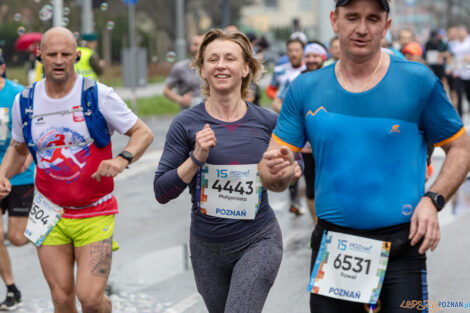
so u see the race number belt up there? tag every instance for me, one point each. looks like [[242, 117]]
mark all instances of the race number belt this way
[[350, 267], [229, 191], [43, 216]]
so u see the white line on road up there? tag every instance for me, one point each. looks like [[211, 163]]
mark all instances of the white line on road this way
[[149, 161], [185, 304]]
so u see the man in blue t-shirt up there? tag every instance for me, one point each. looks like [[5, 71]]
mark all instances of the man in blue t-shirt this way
[[368, 119], [18, 202]]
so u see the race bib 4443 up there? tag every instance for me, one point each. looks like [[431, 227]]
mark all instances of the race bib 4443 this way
[[350, 267], [229, 191]]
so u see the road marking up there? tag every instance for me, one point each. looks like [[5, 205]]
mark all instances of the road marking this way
[[185, 304], [149, 161], [296, 235]]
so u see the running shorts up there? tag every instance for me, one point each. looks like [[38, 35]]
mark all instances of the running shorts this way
[[81, 231], [19, 201]]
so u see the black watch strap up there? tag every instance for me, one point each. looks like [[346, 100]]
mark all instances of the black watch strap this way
[[196, 161], [437, 199], [126, 155]]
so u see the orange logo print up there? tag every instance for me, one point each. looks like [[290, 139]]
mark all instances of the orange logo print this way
[[315, 113], [395, 129]]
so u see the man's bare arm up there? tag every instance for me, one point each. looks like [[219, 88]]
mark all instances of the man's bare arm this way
[[12, 163], [14, 159], [424, 222], [185, 100], [141, 137], [455, 167]]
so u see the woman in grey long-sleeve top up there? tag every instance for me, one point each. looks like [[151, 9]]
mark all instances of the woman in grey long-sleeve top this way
[[214, 147]]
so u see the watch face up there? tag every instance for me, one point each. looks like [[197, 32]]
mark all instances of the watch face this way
[[440, 201], [127, 155]]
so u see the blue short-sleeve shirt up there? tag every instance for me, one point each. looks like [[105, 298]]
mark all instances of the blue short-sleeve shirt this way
[[370, 147], [7, 96]]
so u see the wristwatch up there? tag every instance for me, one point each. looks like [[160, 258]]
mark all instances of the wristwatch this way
[[126, 155], [437, 199]]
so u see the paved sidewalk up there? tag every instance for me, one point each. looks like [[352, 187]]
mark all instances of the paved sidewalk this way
[[142, 92]]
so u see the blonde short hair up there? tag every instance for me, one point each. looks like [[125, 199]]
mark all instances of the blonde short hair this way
[[256, 68]]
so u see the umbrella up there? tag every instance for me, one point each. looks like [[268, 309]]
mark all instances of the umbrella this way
[[26, 40]]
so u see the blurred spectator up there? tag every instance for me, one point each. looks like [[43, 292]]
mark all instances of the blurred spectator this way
[[185, 79], [286, 72], [451, 39], [296, 35], [89, 64], [387, 46], [334, 51], [413, 52], [436, 52], [405, 37], [461, 68]]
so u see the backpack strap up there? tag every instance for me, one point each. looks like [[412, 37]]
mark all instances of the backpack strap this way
[[26, 111], [95, 122]]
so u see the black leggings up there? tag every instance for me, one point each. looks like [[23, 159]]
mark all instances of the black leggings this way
[[405, 278], [236, 276], [309, 175], [461, 86]]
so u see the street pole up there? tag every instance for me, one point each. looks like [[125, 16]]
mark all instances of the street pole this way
[[58, 17], [180, 42], [449, 7], [226, 13], [87, 17], [131, 11]]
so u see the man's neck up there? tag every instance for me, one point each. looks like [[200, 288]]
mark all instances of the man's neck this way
[[2, 83], [355, 67], [60, 90]]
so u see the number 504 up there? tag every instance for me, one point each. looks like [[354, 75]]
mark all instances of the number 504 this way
[[38, 214]]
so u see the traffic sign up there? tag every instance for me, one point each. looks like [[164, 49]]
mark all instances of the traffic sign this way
[[130, 2]]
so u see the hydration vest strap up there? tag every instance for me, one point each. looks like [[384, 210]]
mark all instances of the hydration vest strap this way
[[94, 120], [26, 112]]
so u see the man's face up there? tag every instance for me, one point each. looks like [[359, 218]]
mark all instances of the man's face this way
[[58, 54], [195, 44], [360, 25], [313, 61], [405, 37], [334, 49], [462, 33], [452, 33], [295, 52]]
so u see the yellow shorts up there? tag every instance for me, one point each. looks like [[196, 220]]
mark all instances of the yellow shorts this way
[[81, 231]]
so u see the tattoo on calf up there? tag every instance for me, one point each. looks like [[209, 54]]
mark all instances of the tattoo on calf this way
[[100, 257]]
